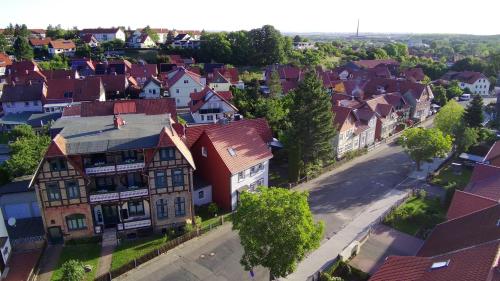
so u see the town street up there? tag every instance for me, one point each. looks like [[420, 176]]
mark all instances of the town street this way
[[337, 197]]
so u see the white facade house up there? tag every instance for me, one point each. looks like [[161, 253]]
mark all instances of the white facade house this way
[[476, 82], [219, 83], [181, 84], [22, 106], [23, 98], [202, 195], [481, 86], [62, 47], [105, 34], [209, 106], [248, 180], [140, 40], [152, 89]]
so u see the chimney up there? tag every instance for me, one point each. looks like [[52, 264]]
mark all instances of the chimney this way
[[118, 122]]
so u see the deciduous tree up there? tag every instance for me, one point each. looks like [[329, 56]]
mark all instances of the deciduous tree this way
[[449, 118], [424, 144], [276, 229]]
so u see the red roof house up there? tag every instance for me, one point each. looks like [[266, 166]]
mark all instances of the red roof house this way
[[493, 156]]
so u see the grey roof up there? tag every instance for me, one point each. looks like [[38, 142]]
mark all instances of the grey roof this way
[[15, 187], [39, 119], [13, 93], [97, 133], [15, 118]]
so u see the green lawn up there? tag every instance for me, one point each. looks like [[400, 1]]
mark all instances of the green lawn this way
[[86, 253], [417, 216], [447, 177], [129, 250]]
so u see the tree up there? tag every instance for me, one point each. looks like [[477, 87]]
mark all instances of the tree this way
[[57, 62], [466, 137], [215, 47], [274, 111], [473, 116], [152, 34], [26, 151], [241, 48], [440, 95], [449, 118], [4, 44], [72, 270], [268, 44], [22, 49], [311, 130], [274, 83], [297, 39], [276, 229], [424, 144], [453, 90]]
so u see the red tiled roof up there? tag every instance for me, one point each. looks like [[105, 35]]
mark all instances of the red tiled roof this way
[[465, 203], [57, 147], [40, 42], [485, 181], [470, 264], [469, 77], [143, 70], [179, 73], [494, 152], [88, 38], [249, 148], [288, 86], [374, 63], [60, 74], [114, 83], [87, 89], [414, 74], [229, 73], [169, 137], [194, 132], [473, 229], [4, 60], [99, 30], [62, 44], [341, 116], [146, 106], [198, 99]]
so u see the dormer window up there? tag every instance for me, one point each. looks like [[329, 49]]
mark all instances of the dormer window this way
[[57, 164]]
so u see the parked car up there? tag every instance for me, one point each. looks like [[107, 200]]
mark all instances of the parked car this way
[[465, 97]]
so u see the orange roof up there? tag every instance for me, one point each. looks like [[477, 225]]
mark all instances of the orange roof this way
[[4, 60], [57, 147], [465, 203], [40, 42], [485, 181], [62, 44], [239, 148], [169, 137], [494, 152]]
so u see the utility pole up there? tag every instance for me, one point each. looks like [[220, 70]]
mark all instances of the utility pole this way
[[357, 30]]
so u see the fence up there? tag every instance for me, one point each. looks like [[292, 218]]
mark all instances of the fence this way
[[157, 252]]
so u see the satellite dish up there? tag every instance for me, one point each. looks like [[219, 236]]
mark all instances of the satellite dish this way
[[12, 221]]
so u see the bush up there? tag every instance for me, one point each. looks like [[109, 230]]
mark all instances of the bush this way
[[87, 240], [72, 270], [213, 209]]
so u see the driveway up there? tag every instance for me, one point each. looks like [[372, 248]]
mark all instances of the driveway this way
[[383, 242]]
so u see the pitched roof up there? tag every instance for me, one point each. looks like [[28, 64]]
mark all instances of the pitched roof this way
[[473, 229], [494, 152], [239, 148], [136, 106], [99, 30], [230, 73], [87, 89], [60, 74], [198, 99], [193, 132], [62, 44], [469, 77], [28, 92], [88, 38], [374, 63], [169, 137], [4, 60], [39, 41], [114, 83], [179, 72], [143, 70], [414, 74], [485, 181], [465, 203], [341, 115], [476, 263]]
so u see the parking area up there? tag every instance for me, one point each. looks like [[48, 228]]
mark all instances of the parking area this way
[[21, 264], [383, 242]]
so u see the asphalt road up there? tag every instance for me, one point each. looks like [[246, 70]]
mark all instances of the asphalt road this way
[[336, 198]]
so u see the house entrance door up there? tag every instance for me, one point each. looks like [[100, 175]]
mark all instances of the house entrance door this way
[[110, 215]]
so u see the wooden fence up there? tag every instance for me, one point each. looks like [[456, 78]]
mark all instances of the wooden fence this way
[[157, 252]]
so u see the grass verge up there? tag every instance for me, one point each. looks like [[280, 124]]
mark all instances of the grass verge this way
[[129, 250], [85, 253]]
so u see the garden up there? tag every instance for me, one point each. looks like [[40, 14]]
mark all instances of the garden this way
[[417, 216], [74, 257]]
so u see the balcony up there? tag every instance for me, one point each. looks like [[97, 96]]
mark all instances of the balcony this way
[[118, 195], [210, 110], [134, 224], [114, 162]]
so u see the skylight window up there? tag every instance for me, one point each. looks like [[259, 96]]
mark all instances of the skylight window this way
[[231, 152], [440, 264]]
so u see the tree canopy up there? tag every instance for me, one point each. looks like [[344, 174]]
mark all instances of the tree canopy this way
[[473, 116], [424, 144], [310, 136], [276, 229], [449, 118], [22, 49]]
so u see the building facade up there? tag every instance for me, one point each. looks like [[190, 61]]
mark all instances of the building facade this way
[[134, 174]]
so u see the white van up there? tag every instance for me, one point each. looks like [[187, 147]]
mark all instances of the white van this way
[[465, 97]]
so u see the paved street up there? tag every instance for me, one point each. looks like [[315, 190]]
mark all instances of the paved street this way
[[337, 197]]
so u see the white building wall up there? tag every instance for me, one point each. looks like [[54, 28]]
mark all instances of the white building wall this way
[[236, 185], [219, 86], [181, 90], [6, 250], [202, 196], [150, 91], [212, 117], [481, 86], [21, 106]]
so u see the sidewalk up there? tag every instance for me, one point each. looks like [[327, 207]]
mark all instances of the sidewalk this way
[[49, 262], [330, 249], [104, 265]]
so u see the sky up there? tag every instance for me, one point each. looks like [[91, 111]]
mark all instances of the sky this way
[[386, 16]]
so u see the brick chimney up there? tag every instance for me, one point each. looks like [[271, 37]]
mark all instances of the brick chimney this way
[[118, 122]]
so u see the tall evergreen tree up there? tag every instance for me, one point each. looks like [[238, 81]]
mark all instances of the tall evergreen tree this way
[[311, 131], [473, 116], [275, 89], [22, 49]]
